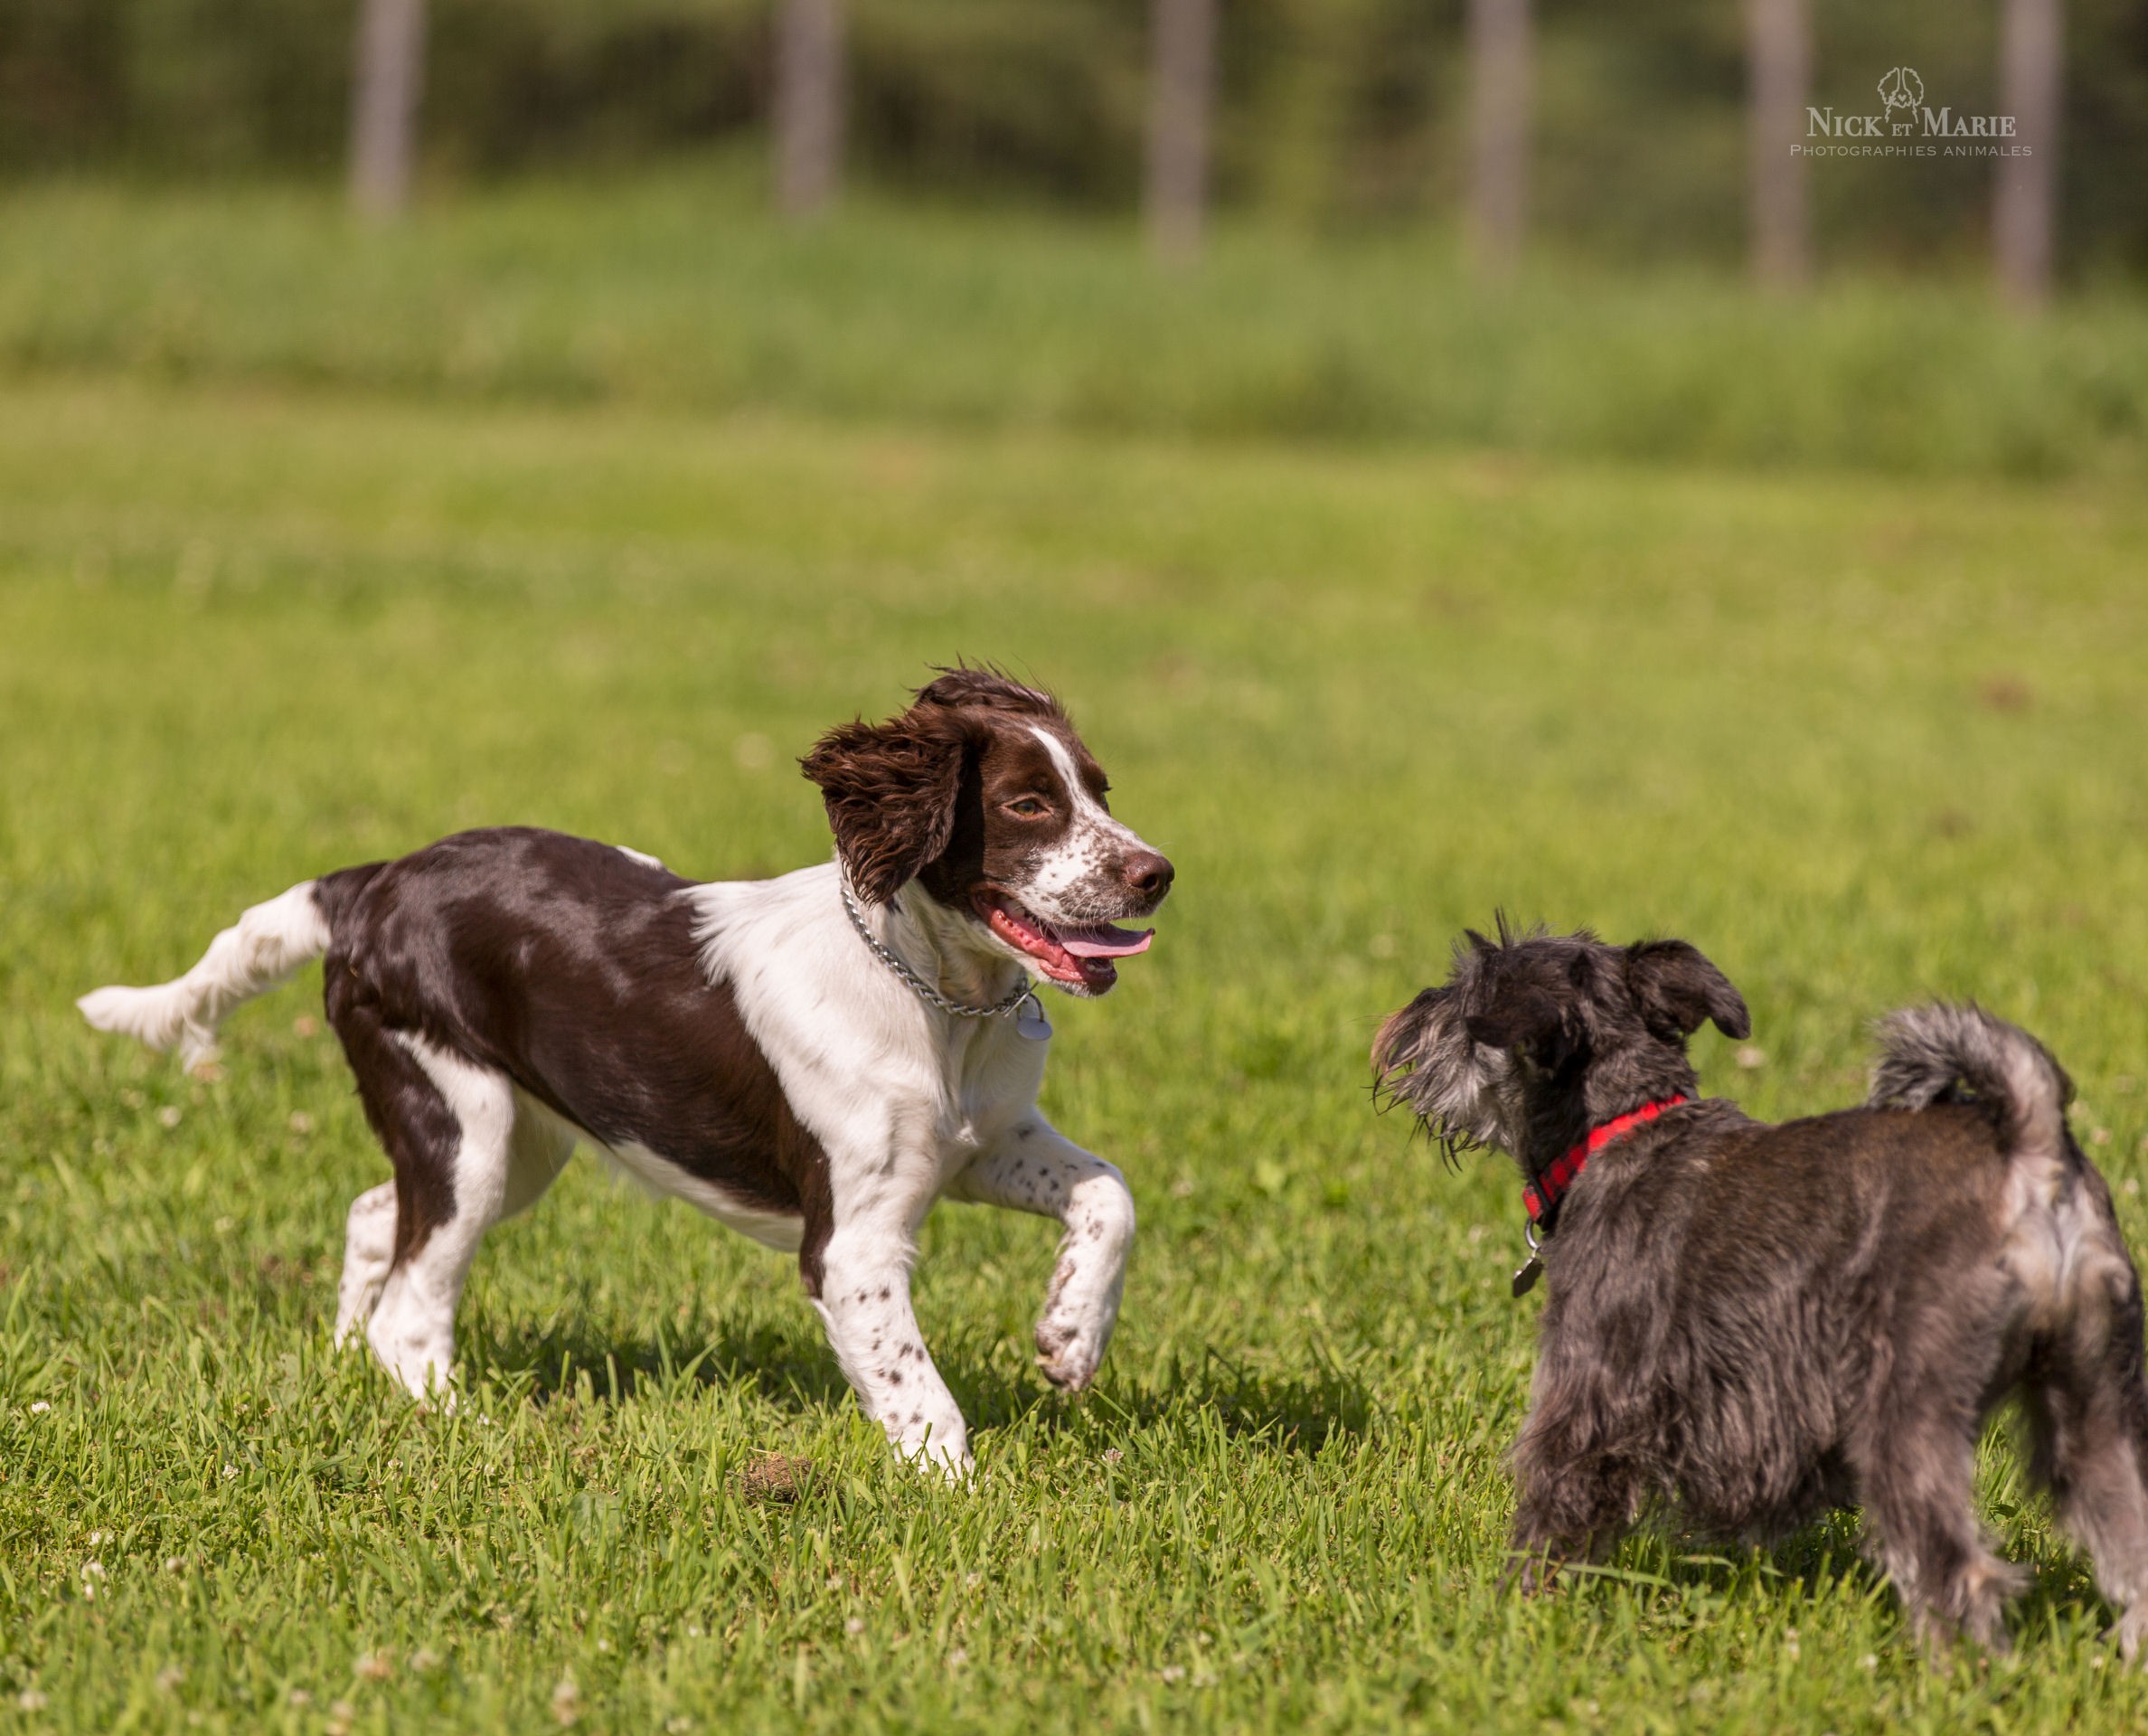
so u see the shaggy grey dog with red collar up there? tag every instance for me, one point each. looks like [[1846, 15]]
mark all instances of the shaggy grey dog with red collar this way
[[1753, 1324], [813, 1059]]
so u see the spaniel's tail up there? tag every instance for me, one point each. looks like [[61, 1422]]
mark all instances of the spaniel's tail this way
[[266, 945]]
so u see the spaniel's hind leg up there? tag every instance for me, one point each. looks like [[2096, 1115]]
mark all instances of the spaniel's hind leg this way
[[448, 1126], [369, 1251], [540, 1147]]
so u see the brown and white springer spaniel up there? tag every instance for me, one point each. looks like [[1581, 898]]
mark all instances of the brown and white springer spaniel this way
[[813, 1059]]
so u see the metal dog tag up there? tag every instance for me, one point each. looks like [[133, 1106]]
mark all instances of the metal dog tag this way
[[1030, 1021], [1525, 1280]]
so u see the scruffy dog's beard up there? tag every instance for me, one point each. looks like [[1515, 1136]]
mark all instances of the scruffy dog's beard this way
[[1748, 1325]]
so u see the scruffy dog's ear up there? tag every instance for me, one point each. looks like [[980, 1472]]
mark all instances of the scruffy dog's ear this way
[[891, 790], [1677, 990]]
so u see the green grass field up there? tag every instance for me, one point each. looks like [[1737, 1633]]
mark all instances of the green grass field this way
[[1860, 741], [679, 292]]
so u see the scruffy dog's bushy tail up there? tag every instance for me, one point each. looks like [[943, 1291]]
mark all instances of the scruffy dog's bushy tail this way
[[1944, 1053]]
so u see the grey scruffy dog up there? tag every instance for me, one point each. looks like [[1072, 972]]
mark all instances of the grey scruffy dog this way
[[1751, 1324]]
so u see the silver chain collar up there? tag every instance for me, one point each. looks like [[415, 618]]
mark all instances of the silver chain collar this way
[[922, 989]]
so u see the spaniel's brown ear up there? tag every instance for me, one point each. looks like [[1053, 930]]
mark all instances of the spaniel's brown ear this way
[[1677, 989], [986, 688], [890, 789]]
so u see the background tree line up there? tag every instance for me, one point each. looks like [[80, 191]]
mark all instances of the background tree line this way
[[1327, 113]]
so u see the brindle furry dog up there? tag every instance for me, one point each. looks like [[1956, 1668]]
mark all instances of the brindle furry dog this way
[[1753, 1324]]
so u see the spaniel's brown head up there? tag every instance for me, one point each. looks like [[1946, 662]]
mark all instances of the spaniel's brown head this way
[[983, 794]]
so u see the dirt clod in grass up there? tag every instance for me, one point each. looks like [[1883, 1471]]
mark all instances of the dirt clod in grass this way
[[2004, 694], [777, 1479]]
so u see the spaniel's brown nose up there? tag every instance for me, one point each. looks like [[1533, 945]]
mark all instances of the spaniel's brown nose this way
[[1148, 874]]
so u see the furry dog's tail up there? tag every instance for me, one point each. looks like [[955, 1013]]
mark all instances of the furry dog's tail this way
[[267, 944], [1944, 1053]]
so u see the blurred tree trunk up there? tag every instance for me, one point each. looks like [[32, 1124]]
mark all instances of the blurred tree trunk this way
[[1779, 47], [2024, 214], [1181, 87], [1500, 49], [1306, 135], [390, 80], [808, 105]]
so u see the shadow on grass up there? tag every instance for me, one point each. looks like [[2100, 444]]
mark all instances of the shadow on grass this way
[[794, 1370], [575, 1357], [1826, 1561], [1292, 1412]]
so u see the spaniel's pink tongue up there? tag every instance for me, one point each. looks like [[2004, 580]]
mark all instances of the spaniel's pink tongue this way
[[1104, 941]]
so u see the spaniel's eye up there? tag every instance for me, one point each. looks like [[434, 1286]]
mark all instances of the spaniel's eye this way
[[1029, 807]]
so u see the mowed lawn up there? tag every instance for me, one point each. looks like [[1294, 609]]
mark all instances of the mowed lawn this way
[[1861, 742]]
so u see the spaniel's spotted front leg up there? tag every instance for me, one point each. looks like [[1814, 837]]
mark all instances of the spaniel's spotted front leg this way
[[864, 1299], [1036, 1168]]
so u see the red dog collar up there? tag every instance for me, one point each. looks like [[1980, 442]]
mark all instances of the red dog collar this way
[[1543, 1194]]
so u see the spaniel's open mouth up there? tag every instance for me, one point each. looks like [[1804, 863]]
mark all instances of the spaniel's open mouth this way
[[1079, 957]]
